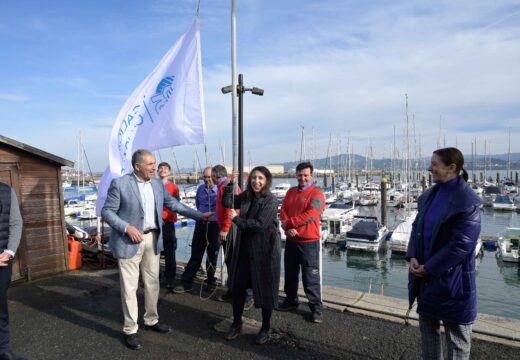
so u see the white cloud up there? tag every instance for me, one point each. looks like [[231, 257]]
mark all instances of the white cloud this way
[[339, 66], [13, 97]]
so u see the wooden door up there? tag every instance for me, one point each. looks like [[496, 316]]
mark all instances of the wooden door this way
[[9, 176]]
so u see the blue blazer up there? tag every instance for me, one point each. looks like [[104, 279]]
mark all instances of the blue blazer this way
[[123, 207]]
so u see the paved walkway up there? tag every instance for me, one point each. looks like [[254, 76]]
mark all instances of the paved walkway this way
[[78, 315]]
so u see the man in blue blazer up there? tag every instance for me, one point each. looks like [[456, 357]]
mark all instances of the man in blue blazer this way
[[133, 209]]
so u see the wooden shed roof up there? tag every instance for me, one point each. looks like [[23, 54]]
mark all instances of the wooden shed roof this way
[[35, 151]]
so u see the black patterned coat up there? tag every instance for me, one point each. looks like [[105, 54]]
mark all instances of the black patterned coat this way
[[259, 227]]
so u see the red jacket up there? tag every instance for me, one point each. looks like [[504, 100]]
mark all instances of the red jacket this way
[[168, 215], [224, 222], [301, 210]]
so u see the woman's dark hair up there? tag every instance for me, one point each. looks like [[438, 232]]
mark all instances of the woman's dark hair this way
[[450, 156], [268, 180]]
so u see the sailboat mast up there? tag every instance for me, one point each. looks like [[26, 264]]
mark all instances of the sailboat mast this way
[[509, 156], [302, 145]]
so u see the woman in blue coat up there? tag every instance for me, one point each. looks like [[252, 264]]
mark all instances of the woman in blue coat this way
[[441, 252]]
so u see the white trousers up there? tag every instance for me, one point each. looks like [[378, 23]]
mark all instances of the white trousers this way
[[147, 263]]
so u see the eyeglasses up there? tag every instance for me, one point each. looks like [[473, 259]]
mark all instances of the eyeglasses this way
[[207, 177]]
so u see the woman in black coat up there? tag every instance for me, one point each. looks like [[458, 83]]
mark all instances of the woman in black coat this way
[[256, 260]]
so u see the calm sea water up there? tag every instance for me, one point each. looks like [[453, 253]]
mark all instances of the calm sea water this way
[[498, 284]]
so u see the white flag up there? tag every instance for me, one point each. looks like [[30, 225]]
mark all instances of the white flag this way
[[165, 110]]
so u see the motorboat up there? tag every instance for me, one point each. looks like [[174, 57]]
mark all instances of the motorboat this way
[[503, 203], [87, 214], [489, 195], [73, 207], [367, 234], [281, 189], [508, 246], [337, 230], [371, 187], [477, 189], [394, 197], [340, 209], [509, 187], [329, 196], [401, 234], [189, 192], [368, 199]]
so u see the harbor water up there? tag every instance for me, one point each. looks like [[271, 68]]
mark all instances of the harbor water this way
[[498, 283]]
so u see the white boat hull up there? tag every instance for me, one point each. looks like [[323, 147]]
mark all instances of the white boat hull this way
[[364, 245], [504, 207]]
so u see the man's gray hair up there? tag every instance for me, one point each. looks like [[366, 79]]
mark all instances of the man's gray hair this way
[[219, 171], [138, 156]]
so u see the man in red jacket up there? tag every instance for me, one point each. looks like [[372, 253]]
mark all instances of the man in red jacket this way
[[227, 231], [300, 217], [168, 227]]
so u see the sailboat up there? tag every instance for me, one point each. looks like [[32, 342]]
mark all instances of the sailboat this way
[[401, 234]]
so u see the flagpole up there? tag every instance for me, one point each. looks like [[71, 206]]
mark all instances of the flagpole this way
[[223, 277], [233, 84]]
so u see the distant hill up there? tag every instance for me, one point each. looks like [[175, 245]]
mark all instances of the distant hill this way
[[339, 162]]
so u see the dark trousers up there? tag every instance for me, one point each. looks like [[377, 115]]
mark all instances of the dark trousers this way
[[306, 257], [5, 280], [170, 246], [205, 238]]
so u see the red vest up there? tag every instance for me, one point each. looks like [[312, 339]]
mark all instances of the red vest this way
[[168, 215], [301, 210], [224, 222]]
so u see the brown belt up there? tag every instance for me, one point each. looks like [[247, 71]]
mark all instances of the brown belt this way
[[149, 231]]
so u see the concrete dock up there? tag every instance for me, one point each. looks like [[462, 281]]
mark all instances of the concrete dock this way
[[77, 315]]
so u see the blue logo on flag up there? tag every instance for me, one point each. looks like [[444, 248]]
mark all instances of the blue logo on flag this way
[[141, 113], [163, 92]]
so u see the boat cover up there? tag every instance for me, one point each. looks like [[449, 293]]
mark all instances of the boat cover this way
[[513, 233], [364, 230]]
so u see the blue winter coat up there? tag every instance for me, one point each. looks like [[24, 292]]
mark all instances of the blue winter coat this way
[[448, 290]]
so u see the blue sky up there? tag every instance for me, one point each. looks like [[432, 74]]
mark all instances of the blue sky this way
[[341, 67]]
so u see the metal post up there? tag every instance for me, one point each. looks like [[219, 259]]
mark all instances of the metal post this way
[[240, 92], [498, 178], [383, 200]]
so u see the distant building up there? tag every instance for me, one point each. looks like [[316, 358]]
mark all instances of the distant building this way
[[323, 171], [35, 176]]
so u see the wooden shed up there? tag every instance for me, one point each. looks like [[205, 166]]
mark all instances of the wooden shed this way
[[35, 175]]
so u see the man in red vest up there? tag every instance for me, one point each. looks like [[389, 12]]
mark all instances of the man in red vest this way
[[168, 227], [226, 227], [300, 217]]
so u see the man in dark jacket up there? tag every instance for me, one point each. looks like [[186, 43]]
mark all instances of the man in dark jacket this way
[[441, 252], [10, 235]]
